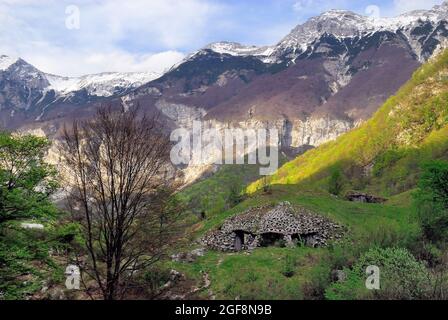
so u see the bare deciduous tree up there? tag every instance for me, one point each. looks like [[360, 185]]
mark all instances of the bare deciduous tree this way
[[115, 162]]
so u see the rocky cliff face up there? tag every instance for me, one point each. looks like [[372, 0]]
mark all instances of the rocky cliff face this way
[[293, 135]]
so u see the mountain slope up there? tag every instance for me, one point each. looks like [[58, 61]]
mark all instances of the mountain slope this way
[[26, 93], [324, 78], [385, 151], [338, 66], [339, 63], [382, 155]]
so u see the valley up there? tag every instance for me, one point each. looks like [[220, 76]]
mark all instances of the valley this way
[[360, 105]]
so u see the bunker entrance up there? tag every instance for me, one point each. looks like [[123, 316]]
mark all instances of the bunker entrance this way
[[272, 239], [239, 240], [297, 239]]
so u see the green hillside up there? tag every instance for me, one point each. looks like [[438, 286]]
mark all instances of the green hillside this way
[[310, 269], [409, 128], [222, 190], [384, 156]]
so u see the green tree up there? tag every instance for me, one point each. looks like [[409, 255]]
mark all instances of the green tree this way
[[26, 181], [129, 214], [432, 200], [336, 183], [235, 197]]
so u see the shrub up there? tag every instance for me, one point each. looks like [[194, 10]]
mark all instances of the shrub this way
[[66, 235], [155, 278], [428, 252], [432, 200], [351, 289], [19, 252], [386, 160], [319, 279], [235, 196], [401, 277], [289, 266]]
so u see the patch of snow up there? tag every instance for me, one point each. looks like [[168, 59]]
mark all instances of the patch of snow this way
[[101, 85], [237, 49], [338, 23], [6, 62], [346, 24]]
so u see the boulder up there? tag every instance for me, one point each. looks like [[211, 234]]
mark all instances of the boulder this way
[[32, 226], [188, 257], [338, 276]]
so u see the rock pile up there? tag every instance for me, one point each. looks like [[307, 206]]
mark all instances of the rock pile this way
[[270, 225], [364, 198], [188, 257]]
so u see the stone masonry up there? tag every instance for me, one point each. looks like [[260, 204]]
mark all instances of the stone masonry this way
[[270, 225]]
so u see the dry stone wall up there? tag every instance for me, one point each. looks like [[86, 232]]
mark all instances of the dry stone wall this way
[[266, 225]]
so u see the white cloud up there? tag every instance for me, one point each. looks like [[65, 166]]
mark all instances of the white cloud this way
[[74, 63], [306, 8], [402, 6], [302, 5], [149, 35], [114, 35]]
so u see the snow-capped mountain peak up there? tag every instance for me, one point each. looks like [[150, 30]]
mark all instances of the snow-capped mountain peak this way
[[339, 63], [6, 62], [28, 89], [441, 7], [237, 49], [341, 24], [101, 85], [344, 24]]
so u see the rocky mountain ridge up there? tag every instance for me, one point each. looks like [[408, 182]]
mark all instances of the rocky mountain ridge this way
[[323, 79], [24, 88], [341, 24]]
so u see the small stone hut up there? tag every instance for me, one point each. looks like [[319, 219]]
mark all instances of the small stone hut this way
[[268, 225]]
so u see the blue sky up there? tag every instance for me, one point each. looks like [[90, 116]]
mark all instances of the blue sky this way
[[152, 35]]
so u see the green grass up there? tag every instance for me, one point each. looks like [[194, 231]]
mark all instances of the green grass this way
[[363, 219], [260, 275], [215, 190], [213, 195], [255, 276]]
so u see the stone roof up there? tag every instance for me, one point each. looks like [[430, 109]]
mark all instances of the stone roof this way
[[282, 219]]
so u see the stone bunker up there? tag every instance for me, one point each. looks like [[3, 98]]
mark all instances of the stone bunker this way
[[273, 225]]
